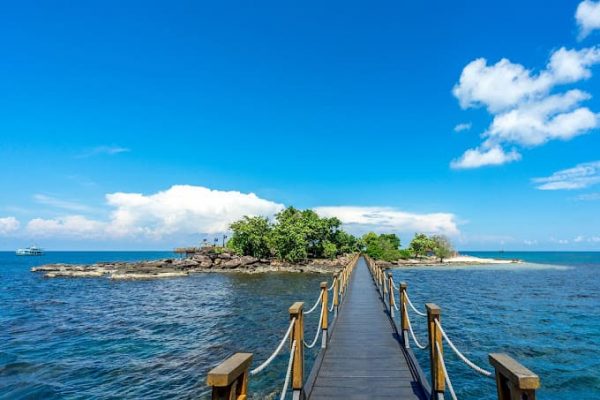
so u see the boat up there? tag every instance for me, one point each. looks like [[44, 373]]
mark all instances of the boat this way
[[30, 251]]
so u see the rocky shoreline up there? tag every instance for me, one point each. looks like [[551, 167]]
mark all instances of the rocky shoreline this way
[[207, 261]]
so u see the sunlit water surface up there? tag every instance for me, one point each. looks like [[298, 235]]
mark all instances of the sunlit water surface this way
[[94, 338]]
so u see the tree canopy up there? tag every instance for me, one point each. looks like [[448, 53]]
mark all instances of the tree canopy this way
[[295, 235]]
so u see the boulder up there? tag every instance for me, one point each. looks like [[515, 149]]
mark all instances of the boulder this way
[[233, 263], [248, 260]]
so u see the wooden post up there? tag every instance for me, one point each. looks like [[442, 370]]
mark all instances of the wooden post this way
[[438, 384], [325, 305], [229, 380], [391, 298], [385, 283], [513, 380], [404, 314], [296, 311], [336, 287]]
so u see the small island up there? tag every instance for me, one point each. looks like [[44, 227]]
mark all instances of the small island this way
[[296, 241]]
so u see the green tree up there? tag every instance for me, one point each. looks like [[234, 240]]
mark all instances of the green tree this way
[[330, 250], [250, 237], [420, 245], [442, 247], [382, 247], [289, 237]]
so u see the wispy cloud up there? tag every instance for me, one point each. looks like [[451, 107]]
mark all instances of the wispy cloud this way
[[588, 197], [103, 150], [579, 177], [465, 126], [62, 204]]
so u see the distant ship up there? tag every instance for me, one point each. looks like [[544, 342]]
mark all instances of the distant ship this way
[[30, 251]]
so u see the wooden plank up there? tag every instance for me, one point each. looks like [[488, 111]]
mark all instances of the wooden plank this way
[[229, 370], [515, 372]]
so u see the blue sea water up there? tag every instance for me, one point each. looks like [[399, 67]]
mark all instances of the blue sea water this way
[[95, 338]]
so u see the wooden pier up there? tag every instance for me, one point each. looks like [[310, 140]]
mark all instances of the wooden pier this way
[[366, 351]]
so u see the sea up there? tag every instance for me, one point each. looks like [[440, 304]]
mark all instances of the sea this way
[[93, 338]]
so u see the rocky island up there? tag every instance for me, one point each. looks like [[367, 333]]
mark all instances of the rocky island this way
[[206, 260]]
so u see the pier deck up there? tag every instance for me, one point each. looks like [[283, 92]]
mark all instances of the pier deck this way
[[364, 358]]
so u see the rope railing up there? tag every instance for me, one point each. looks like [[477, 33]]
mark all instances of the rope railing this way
[[512, 379], [230, 378], [419, 313], [445, 371], [277, 350], [412, 333], [310, 346], [288, 373], [461, 355], [313, 308]]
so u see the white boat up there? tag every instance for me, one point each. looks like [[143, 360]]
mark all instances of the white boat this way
[[30, 251]]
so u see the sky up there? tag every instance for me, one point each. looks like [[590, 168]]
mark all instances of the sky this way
[[149, 125]]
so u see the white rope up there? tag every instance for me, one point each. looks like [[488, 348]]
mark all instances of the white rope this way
[[277, 350], [412, 333], [288, 374], [460, 355], [310, 346], [446, 377], [422, 314], [394, 286], [396, 307], [316, 304], [331, 308], [332, 285]]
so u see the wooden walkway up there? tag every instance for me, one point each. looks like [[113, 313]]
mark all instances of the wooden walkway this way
[[364, 358]]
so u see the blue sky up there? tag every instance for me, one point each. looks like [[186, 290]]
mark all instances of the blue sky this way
[[145, 125]]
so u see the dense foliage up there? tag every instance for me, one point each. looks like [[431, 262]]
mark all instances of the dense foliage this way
[[294, 236], [382, 247]]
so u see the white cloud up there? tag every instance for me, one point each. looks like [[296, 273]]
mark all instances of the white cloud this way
[[530, 242], [63, 204], [104, 150], [475, 158], [179, 210], [72, 226], [525, 113], [533, 124], [386, 219], [587, 17], [579, 239], [8, 225], [579, 177], [465, 126]]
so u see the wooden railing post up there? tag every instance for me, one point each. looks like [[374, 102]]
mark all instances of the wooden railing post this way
[[336, 301], [404, 314], [229, 380], [325, 305], [296, 311], [391, 298], [438, 384], [513, 380]]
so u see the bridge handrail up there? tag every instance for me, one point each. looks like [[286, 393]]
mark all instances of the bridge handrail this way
[[238, 365], [513, 380]]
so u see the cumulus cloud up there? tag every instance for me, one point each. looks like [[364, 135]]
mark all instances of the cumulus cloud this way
[[587, 17], [361, 219], [581, 176], [525, 112], [181, 209], [8, 225], [475, 158]]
